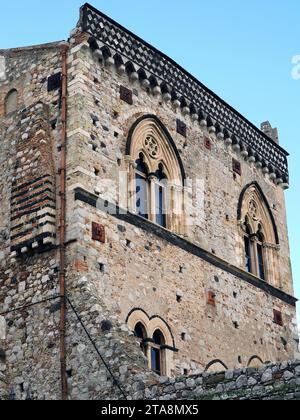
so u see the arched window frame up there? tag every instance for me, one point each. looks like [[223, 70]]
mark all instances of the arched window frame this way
[[12, 93], [157, 353], [149, 138], [142, 337], [149, 345], [258, 228]]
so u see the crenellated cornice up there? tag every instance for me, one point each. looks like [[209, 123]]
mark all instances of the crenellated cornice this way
[[117, 46]]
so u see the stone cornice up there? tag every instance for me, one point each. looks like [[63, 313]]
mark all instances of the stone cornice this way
[[176, 240], [156, 71]]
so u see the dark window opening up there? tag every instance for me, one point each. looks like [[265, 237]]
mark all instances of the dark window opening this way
[[260, 257], [160, 197], [278, 318], [155, 360], [102, 267], [139, 331], [156, 352], [142, 188], [54, 82], [158, 338], [161, 206], [237, 167], [141, 334], [261, 267]]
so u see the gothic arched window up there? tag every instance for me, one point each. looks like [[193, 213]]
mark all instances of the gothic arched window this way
[[156, 176], [260, 238], [254, 251]]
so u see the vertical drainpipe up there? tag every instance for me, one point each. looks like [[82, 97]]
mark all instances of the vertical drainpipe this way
[[62, 224]]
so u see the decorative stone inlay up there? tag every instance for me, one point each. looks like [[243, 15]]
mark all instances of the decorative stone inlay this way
[[119, 40], [32, 200], [181, 128], [126, 95]]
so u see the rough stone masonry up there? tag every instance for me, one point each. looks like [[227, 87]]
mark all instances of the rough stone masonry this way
[[168, 231]]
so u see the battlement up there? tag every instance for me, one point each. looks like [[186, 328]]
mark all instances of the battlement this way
[[154, 69]]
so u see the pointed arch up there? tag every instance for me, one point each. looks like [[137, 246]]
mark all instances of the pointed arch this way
[[159, 194], [260, 235], [257, 192], [11, 101], [151, 324], [217, 363], [256, 359], [152, 125], [158, 345]]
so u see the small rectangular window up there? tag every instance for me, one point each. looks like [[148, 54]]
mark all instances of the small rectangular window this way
[[278, 318], [54, 82], [237, 167], [181, 128]]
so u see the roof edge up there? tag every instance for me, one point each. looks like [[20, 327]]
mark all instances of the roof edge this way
[[88, 5], [49, 45]]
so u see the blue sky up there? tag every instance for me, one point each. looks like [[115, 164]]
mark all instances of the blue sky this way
[[241, 50]]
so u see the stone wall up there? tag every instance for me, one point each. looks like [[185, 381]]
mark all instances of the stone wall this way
[[33, 199], [273, 382], [135, 269], [30, 137], [137, 265], [131, 278], [29, 140]]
